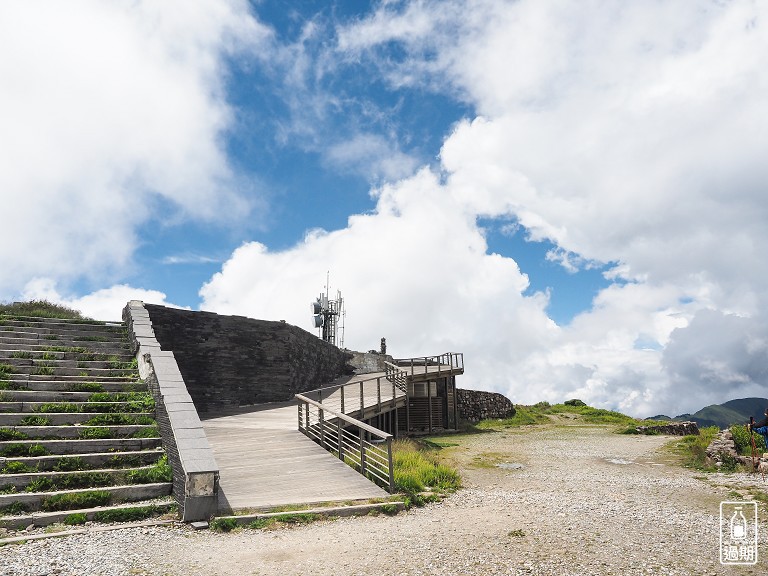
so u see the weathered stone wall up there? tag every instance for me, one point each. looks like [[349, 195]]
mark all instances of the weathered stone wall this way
[[369, 362], [230, 361], [475, 405], [672, 429]]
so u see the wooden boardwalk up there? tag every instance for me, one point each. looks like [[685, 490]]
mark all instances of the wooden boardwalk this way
[[265, 461]]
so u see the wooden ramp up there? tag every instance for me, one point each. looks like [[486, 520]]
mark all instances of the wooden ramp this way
[[265, 461]]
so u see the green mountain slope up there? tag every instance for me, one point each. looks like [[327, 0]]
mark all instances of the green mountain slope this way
[[723, 415]]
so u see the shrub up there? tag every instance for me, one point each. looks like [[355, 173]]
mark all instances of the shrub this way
[[86, 387], [39, 485], [40, 309], [56, 407], [125, 514], [15, 508], [223, 524], [11, 434], [94, 433], [574, 402], [35, 421], [75, 519], [17, 468], [160, 471], [148, 432], [21, 450], [70, 464], [80, 500], [742, 440]]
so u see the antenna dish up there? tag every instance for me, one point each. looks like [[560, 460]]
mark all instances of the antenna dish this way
[[326, 314]]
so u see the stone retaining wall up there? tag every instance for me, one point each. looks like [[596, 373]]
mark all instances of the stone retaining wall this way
[[672, 429], [195, 472], [232, 361], [475, 405]]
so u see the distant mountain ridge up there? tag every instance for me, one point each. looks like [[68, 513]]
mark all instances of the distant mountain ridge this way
[[723, 415]]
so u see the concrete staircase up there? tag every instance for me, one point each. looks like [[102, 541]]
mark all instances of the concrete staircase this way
[[78, 437]]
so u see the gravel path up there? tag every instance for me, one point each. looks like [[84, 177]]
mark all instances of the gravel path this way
[[585, 501]]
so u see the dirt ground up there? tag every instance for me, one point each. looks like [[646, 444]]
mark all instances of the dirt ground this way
[[537, 500]]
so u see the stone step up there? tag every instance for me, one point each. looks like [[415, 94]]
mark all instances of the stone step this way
[[48, 368], [89, 407], [43, 344], [77, 432], [96, 477], [43, 501], [61, 323], [57, 363], [9, 448], [83, 355], [90, 460], [51, 396], [53, 335], [60, 328], [42, 519], [77, 386], [62, 378], [62, 418]]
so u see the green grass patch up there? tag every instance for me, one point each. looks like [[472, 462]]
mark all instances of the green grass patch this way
[[160, 471], [17, 468], [223, 524], [6, 369], [23, 450], [132, 514], [122, 461], [8, 385], [85, 387], [94, 433], [40, 309], [57, 407], [148, 432], [21, 354], [44, 370], [118, 419], [417, 469], [71, 464], [93, 338], [76, 519], [14, 509], [35, 421], [39, 485], [89, 499], [693, 449]]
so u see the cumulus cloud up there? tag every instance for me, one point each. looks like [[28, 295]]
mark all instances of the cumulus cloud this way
[[104, 304], [632, 133], [112, 116]]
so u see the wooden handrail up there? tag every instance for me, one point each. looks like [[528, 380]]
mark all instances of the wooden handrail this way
[[362, 425]]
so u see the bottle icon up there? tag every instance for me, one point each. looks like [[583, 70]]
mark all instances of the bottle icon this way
[[738, 525]]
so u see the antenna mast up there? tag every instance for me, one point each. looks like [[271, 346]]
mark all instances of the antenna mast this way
[[326, 314]]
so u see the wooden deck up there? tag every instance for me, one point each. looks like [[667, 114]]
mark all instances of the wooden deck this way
[[265, 461]]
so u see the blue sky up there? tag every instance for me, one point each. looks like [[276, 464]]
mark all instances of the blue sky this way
[[572, 195]]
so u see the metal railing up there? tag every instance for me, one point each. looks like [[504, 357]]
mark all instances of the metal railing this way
[[382, 392], [450, 362], [327, 427]]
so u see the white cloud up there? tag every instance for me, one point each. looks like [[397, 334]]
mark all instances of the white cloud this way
[[112, 115], [105, 304], [632, 133]]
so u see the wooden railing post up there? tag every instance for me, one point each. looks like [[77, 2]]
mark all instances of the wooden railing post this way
[[338, 438], [363, 463], [342, 400], [378, 395], [322, 426], [362, 401], [391, 466], [300, 418]]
